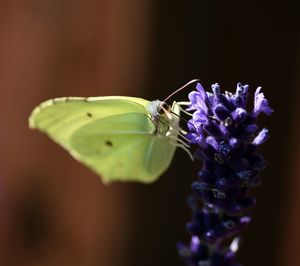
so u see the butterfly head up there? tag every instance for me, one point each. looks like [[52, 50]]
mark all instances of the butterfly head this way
[[166, 119], [159, 109], [163, 115]]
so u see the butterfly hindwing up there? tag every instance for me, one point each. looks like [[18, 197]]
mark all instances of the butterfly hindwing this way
[[115, 146]]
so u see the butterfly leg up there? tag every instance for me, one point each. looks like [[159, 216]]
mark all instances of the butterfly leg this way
[[180, 104], [180, 144], [180, 141]]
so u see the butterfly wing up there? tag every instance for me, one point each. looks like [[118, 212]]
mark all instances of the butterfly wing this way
[[61, 117], [123, 148], [112, 135]]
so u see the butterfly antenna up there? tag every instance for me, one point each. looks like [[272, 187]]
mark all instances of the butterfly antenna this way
[[181, 88]]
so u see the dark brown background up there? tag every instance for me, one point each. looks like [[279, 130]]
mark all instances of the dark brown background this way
[[53, 211]]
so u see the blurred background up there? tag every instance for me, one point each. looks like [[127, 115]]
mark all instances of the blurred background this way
[[53, 211]]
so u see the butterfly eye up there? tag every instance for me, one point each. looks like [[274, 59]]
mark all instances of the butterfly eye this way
[[162, 108]]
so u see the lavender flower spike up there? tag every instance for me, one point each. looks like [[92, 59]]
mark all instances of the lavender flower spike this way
[[226, 139]]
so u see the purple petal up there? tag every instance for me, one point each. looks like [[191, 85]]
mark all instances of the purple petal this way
[[195, 137], [197, 99], [262, 136], [201, 90], [233, 142], [200, 117], [261, 104], [193, 100], [215, 88], [239, 114], [241, 89], [195, 242], [212, 141]]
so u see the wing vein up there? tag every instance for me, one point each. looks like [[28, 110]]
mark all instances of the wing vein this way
[[148, 157], [124, 133]]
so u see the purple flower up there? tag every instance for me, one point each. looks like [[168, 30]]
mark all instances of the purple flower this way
[[198, 99], [261, 137], [226, 140], [261, 104]]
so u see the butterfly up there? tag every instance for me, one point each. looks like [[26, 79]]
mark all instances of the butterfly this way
[[120, 138]]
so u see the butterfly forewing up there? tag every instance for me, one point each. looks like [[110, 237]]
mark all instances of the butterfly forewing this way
[[60, 117]]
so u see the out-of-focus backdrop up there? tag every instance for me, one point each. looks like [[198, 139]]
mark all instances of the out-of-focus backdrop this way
[[53, 211]]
